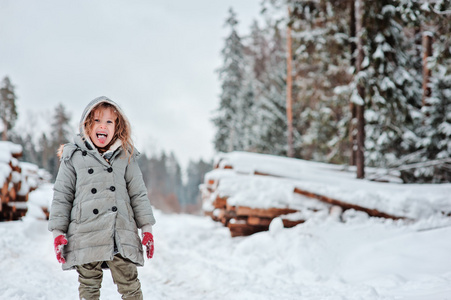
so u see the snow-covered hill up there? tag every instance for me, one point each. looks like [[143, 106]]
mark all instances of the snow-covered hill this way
[[195, 258]]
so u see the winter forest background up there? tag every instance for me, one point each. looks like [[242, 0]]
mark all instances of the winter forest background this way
[[367, 77], [379, 73]]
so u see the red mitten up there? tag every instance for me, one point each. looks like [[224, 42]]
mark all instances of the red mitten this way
[[148, 242], [59, 243]]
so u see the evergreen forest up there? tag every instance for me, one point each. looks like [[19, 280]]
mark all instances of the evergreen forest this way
[[348, 82]]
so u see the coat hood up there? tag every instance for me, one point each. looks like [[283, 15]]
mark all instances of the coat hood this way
[[90, 106]]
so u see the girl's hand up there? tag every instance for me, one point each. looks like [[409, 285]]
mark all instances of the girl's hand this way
[[59, 243], [148, 242]]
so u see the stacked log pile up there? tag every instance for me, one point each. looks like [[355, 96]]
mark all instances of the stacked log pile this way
[[245, 220], [15, 183]]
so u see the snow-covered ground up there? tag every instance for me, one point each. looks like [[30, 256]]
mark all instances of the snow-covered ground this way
[[195, 258]]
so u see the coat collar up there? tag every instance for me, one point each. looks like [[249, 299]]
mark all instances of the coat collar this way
[[87, 145]]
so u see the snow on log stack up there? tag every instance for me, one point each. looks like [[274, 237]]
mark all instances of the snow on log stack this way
[[17, 180], [246, 191]]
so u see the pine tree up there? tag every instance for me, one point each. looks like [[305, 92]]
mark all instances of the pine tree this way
[[270, 85], [195, 172], [433, 148], [392, 91], [8, 112], [231, 75], [61, 130], [30, 152], [321, 63], [46, 153], [174, 178], [60, 134]]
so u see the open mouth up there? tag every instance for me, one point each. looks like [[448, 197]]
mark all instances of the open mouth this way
[[101, 137]]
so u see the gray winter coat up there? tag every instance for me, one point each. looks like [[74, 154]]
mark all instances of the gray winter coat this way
[[99, 205]]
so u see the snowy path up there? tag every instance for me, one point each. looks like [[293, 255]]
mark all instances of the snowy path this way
[[195, 258]]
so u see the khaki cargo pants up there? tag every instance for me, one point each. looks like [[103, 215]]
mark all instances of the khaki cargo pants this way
[[125, 276]]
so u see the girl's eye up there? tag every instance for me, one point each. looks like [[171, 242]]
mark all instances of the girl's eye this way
[[110, 122], [96, 120]]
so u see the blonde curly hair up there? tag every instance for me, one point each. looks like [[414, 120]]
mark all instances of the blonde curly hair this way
[[122, 130]]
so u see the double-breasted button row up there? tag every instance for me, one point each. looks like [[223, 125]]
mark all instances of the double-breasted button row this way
[[112, 188], [91, 170], [96, 211]]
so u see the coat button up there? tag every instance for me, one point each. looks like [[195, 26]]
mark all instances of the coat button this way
[[112, 188], [84, 153], [90, 171], [114, 208], [95, 211], [93, 191], [110, 169]]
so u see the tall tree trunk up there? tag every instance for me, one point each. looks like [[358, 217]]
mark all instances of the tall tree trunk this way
[[5, 131], [352, 108], [427, 52], [360, 108], [290, 152]]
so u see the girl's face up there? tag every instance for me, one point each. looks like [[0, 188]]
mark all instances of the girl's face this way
[[102, 131]]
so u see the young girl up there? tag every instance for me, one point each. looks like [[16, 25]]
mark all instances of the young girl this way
[[99, 203]]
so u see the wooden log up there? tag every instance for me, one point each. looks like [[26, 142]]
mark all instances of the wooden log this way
[[22, 198], [4, 192], [244, 229], [17, 211], [16, 154], [229, 214], [371, 212], [230, 207], [252, 220], [264, 174], [46, 212], [290, 223], [218, 214], [263, 213], [15, 168], [12, 193], [220, 202]]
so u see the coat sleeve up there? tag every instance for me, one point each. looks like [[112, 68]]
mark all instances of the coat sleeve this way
[[137, 191], [63, 194]]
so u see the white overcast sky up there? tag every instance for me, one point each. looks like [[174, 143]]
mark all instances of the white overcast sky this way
[[157, 59]]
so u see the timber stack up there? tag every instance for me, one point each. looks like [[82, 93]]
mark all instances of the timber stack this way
[[243, 194], [17, 180]]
